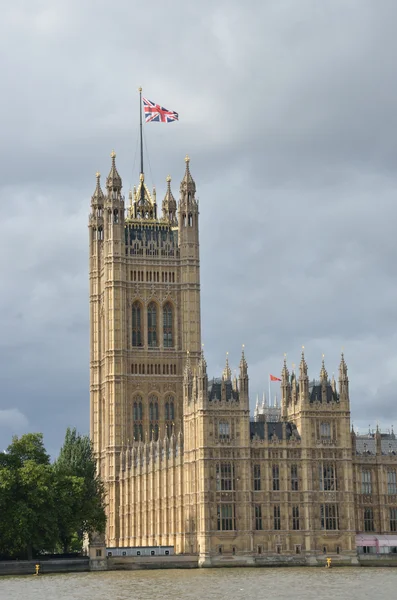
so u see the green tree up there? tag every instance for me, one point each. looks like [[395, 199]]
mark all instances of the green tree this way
[[80, 492], [28, 518]]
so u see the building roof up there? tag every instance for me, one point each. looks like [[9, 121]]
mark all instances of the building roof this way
[[366, 444], [215, 389], [257, 429], [315, 392]]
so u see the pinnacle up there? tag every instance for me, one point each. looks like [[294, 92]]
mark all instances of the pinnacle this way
[[187, 183], [323, 372], [113, 179], [98, 193]]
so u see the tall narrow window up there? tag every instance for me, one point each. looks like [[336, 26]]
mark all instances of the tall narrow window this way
[[224, 477], [137, 417], [277, 518], [226, 517], [329, 517], [152, 324], [393, 519], [369, 524], [224, 431], [136, 325], [391, 482], [169, 415], [295, 518], [325, 431], [276, 478], [327, 478], [294, 478], [258, 517], [366, 483], [167, 326], [257, 478], [153, 418]]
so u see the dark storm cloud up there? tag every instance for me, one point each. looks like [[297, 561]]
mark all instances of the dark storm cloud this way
[[288, 112]]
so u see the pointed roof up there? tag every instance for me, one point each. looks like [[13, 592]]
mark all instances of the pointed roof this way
[[342, 368], [227, 373], [323, 372], [147, 198], [187, 183], [113, 180], [284, 372], [243, 362], [169, 199], [98, 195], [303, 365]]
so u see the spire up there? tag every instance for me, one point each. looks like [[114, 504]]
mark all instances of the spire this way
[[187, 183], [169, 204], [188, 368], [342, 369], [263, 401], [98, 196], [113, 181], [227, 374], [303, 365], [243, 363], [256, 412], [323, 372], [202, 364], [285, 372]]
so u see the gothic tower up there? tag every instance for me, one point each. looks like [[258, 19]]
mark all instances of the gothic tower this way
[[144, 318]]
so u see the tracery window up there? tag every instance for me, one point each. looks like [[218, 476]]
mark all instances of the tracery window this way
[[277, 518], [294, 478], [224, 430], [276, 478], [366, 482], [328, 482], [257, 478], [152, 325], [391, 482], [136, 324], [226, 520], [169, 415], [329, 516], [325, 431], [393, 519], [168, 341], [224, 477], [153, 418], [137, 416], [369, 524], [295, 518], [258, 517]]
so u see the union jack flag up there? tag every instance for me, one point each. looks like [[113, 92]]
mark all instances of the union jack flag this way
[[155, 112]]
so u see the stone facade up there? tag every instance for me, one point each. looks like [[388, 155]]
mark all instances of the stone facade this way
[[183, 463]]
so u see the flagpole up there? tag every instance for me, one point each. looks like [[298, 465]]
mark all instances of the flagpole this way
[[270, 398], [141, 136]]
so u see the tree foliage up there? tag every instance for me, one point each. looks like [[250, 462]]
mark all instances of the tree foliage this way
[[46, 506]]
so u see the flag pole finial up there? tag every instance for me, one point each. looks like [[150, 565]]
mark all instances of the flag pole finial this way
[[140, 89]]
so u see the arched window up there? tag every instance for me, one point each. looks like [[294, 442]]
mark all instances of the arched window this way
[[137, 414], [153, 418], [167, 326], [152, 324], [136, 324], [169, 415]]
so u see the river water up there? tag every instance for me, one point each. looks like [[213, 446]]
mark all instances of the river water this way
[[208, 584]]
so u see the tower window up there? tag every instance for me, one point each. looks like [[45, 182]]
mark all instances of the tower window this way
[[276, 518], [276, 478], [328, 482], [152, 325], [258, 517], [294, 478], [137, 418], [325, 431], [369, 524], [167, 326], [136, 325], [224, 477], [169, 415], [257, 478], [190, 220], [226, 517], [154, 418], [366, 483], [391, 482], [295, 518], [329, 517]]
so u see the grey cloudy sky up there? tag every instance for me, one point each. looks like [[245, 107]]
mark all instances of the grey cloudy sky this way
[[288, 111]]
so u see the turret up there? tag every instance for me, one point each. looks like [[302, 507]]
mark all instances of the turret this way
[[227, 374], [114, 205], [343, 380], [169, 205], [323, 381], [97, 207], [243, 378], [303, 379], [285, 389]]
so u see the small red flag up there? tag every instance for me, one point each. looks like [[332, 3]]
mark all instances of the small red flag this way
[[273, 378]]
